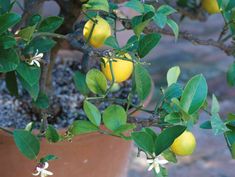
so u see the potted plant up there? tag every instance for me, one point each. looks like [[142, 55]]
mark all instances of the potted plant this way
[[97, 142]]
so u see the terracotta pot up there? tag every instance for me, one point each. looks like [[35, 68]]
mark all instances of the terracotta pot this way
[[91, 155]]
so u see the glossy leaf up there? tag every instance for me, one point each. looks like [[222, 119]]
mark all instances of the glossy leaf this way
[[52, 134], [194, 94], [92, 113], [9, 60], [97, 5], [173, 75], [167, 137], [142, 81], [27, 33], [7, 42], [50, 24], [147, 43], [8, 20], [231, 75], [111, 41], [42, 101], [96, 81], [27, 143], [11, 83], [80, 82], [82, 127], [114, 116], [48, 158]]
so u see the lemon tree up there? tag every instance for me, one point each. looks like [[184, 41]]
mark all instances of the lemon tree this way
[[90, 26]]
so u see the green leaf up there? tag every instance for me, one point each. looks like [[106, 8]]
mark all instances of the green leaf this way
[[7, 42], [166, 10], [143, 81], [96, 81], [231, 75], [50, 24], [194, 94], [52, 135], [215, 107], [169, 156], [218, 126], [40, 44], [47, 158], [135, 5], [173, 75], [31, 74], [140, 22], [33, 90], [27, 143], [144, 141], [160, 20], [173, 91], [97, 5], [11, 83], [34, 20], [92, 113], [167, 137], [8, 20], [124, 128], [9, 60], [147, 43], [174, 26], [111, 41], [80, 83], [230, 139], [82, 127], [5, 6], [27, 33], [206, 125], [42, 101], [114, 116], [173, 118]]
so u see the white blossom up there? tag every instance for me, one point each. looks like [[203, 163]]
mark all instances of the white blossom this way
[[41, 170], [35, 59], [156, 163]]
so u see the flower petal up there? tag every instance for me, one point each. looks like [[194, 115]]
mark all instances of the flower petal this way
[[46, 165], [150, 161], [37, 63], [36, 174], [162, 162], [157, 169], [46, 172], [151, 167]]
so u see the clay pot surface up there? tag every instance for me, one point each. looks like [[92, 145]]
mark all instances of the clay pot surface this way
[[90, 155]]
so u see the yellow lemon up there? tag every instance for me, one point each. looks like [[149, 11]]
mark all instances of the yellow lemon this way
[[211, 6], [184, 145], [100, 32], [122, 69]]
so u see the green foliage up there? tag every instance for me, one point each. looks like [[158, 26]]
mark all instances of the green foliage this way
[[82, 127], [194, 94], [147, 43], [96, 81], [8, 20], [27, 143], [27, 33], [97, 5], [231, 75], [42, 101], [173, 75], [11, 83], [9, 60], [7, 42], [143, 82], [114, 117], [48, 158], [92, 113], [111, 41], [167, 137], [52, 135], [50, 24], [80, 83]]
